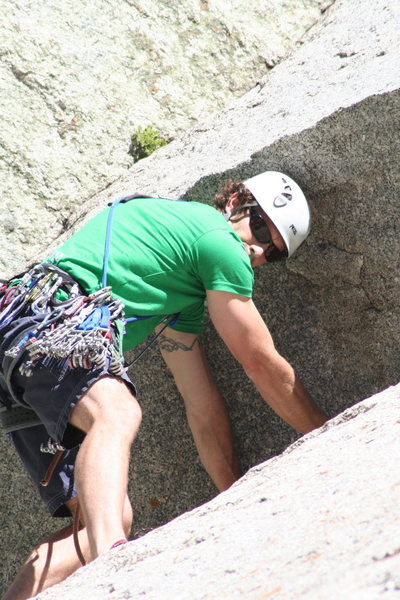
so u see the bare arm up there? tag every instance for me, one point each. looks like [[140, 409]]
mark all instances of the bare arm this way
[[240, 325], [205, 408]]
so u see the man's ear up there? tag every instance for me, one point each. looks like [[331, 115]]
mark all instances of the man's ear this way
[[232, 203]]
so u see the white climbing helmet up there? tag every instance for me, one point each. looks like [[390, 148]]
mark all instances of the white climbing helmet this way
[[285, 204]]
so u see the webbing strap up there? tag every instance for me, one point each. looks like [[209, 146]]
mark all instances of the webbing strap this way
[[107, 243], [106, 257]]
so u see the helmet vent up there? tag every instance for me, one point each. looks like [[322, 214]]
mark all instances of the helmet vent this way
[[288, 189]]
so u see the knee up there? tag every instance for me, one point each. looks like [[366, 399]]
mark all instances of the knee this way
[[123, 413], [110, 403]]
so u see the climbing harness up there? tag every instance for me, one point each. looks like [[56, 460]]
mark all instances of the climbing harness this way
[[80, 329]]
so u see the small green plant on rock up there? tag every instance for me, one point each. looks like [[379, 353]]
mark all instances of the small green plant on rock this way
[[145, 141]]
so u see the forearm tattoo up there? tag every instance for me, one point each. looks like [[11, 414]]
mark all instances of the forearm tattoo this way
[[170, 345]]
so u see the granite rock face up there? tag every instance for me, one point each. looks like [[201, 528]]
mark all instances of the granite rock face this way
[[317, 522], [327, 116], [78, 78]]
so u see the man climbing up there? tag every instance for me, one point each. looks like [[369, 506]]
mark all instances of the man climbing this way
[[144, 264]]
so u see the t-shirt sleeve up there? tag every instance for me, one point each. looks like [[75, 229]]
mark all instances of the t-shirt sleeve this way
[[222, 263]]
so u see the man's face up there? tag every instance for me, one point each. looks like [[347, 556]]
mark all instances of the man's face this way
[[241, 226]]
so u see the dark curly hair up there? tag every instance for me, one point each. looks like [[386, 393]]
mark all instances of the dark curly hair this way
[[232, 187]]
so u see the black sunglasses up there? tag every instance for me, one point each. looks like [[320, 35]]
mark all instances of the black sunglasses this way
[[262, 234]]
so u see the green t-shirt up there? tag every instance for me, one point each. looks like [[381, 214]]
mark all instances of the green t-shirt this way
[[164, 255]]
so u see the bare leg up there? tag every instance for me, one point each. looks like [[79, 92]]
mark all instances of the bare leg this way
[[54, 559], [111, 416], [49, 563]]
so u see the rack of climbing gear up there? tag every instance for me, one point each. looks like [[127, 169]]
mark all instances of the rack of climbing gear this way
[[80, 329]]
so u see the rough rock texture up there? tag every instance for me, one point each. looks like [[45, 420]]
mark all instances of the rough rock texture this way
[[328, 117], [317, 522], [78, 77]]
